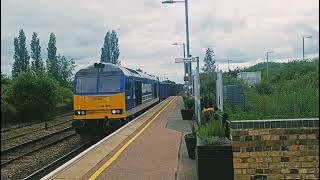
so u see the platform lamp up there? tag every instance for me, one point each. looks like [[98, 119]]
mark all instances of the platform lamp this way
[[187, 41]]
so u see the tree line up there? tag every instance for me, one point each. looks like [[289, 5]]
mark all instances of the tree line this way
[[37, 88], [57, 66]]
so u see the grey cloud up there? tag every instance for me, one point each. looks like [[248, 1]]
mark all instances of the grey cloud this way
[[239, 30]]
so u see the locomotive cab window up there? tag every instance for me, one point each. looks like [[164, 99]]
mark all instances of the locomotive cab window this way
[[86, 84], [109, 84]]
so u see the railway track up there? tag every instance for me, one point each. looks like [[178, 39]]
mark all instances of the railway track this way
[[33, 123], [11, 154], [55, 164], [34, 131]]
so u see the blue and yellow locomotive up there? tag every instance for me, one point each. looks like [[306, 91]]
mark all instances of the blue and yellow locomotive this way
[[108, 95]]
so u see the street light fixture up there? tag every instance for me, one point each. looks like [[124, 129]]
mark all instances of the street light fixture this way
[[307, 37], [268, 52], [187, 40], [170, 2]]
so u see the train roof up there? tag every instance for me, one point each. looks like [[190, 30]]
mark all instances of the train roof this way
[[112, 69]]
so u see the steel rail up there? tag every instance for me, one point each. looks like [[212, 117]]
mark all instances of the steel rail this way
[[35, 130], [30, 124], [5, 162], [4, 151]]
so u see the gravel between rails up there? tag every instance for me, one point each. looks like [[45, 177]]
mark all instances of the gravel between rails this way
[[31, 136], [57, 163], [25, 166], [21, 150], [36, 126], [23, 125], [35, 130]]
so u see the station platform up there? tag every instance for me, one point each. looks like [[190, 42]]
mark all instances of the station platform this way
[[150, 147]]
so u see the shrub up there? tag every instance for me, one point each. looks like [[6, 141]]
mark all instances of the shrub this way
[[264, 88], [212, 133], [188, 103], [8, 112], [34, 97], [65, 95]]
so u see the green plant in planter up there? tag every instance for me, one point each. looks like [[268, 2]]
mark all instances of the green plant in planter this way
[[188, 103], [213, 151], [188, 112], [212, 133]]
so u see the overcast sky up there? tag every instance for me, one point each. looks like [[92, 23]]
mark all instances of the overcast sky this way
[[242, 31]]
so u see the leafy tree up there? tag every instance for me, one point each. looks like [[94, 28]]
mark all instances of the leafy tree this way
[[35, 97], [52, 62], [114, 48], [8, 111], [209, 61], [208, 80], [110, 50], [105, 53], [65, 69], [207, 89], [65, 96], [5, 79], [37, 65], [21, 56]]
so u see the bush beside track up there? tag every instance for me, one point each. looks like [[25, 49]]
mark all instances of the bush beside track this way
[[30, 97]]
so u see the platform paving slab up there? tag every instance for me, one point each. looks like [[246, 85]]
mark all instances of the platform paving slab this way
[[187, 167], [153, 155], [88, 162]]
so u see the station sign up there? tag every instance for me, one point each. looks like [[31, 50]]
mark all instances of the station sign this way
[[186, 60]]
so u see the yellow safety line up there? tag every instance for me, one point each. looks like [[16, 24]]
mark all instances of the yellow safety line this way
[[118, 153]]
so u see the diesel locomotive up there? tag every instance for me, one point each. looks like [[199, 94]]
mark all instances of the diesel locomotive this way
[[108, 96]]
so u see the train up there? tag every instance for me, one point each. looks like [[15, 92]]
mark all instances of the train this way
[[107, 96]]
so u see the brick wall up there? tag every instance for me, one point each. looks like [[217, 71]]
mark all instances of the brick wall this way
[[276, 153]]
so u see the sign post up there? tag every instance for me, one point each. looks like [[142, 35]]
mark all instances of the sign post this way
[[196, 84], [219, 90]]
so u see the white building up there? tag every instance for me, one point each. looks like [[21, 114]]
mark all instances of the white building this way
[[250, 78]]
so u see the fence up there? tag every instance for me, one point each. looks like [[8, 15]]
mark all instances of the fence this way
[[303, 103]]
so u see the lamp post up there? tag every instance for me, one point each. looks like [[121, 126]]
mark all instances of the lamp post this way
[[268, 62], [187, 38], [303, 45], [228, 64]]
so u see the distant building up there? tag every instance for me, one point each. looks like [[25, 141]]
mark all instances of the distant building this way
[[250, 78]]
